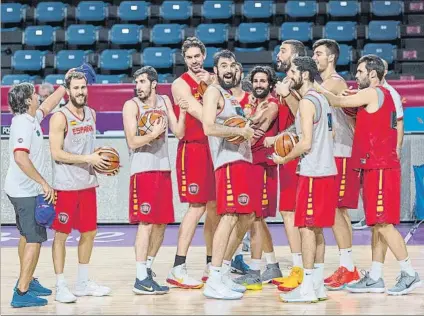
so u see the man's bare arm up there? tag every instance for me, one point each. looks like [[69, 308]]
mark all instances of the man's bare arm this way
[[181, 90]]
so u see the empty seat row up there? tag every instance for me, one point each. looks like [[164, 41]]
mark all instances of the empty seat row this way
[[90, 11]]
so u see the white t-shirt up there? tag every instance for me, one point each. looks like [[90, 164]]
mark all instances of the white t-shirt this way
[[396, 99], [25, 135]]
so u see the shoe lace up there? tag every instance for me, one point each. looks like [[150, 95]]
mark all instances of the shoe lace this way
[[35, 280], [338, 274], [366, 276], [401, 279]]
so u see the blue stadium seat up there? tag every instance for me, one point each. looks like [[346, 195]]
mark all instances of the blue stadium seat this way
[[40, 35], [343, 31], [210, 52], [301, 31], [164, 34], [253, 32], [176, 10], [216, 33], [55, 79], [67, 59], [124, 34], [12, 12], [345, 56], [50, 12], [165, 78], [383, 30], [249, 49], [386, 8], [115, 59], [342, 8], [105, 79], [92, 11], [385, 51], [258, 9], [81, 34], [158, 57], [9, 80], [345, 74], [133, 10], [301, 9], [218, 9], [31, 60]]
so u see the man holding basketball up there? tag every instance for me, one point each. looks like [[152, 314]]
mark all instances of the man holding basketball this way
[[232, 163], [196, 180], [72, 143], [315, 207], [146, 120]]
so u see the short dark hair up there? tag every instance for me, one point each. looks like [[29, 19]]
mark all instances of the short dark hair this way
[[17, 96], [222, 54], [193, 42], [74, 75], [240, 66], [272, 77], [297, 47], [373, 62], [151, 72], [331, 45], [306, 63]]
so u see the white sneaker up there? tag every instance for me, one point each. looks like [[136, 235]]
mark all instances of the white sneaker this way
[[321, 292], [228, 281], [179, 277], [206, 273], [90, 288], [63, 295], [298, 295], [217, 289]]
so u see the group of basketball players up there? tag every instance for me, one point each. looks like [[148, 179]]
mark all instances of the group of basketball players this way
[[236, 183]]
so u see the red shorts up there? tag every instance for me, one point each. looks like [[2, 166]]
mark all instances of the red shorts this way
[[234, 188], [75, 210], [288, 186], [264, 181], [347, 184], [195, 174], [381, 196], [151, 198], [315, 202]]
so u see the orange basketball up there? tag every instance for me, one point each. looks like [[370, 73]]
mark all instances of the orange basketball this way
[[145, 124], [201, 88], [284, 143], [113, 156], [235, 121]]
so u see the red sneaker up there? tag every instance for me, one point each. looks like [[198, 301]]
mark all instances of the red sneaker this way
[[332, 277], [344, 277]]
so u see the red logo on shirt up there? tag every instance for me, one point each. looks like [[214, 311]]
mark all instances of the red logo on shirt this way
[[82, 130]]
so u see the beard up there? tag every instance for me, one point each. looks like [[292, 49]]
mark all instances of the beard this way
[[199, 68], [261, 95], [225, 85], [146, 94], [283, 66], [76, 103], [363, 84], [297, 84]]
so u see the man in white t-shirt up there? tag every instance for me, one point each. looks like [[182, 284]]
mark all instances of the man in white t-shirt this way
[[25, 180]]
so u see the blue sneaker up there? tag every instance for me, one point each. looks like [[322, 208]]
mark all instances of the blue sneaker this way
[[36, 288], [148, 286], [238, 265], [27, 300]]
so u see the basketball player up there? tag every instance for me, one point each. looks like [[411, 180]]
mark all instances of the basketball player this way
[[287, 173], [326, 53], [72, 143], [315, 206], [232, 164], [196, 179], [25, 180], [374, 151], [264, 177], [150, 172]]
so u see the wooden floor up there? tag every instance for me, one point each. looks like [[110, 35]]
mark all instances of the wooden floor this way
[[115, 267]]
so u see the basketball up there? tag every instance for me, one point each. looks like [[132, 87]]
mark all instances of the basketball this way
[[201, 88], [145, 124], [284, 143], [113, 156], [235, 121]]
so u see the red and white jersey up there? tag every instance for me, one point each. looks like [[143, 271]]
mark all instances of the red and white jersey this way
[[80, 138]]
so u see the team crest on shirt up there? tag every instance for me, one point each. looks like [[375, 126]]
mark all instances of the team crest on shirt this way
[[243, 199], [73, 122], [63, 217], [193, 188], [145, 208]]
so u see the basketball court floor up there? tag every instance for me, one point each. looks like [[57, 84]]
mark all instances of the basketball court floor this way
[[113, 265]]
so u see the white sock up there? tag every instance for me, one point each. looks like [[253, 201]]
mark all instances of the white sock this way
[[308, 284], [60, 279], [141, 270], [376, 271], [215, 273], [150, 261], [346, 259], [255, 264], [226, 262], [270, 257], [238, 251], [297, 259], [318, 274], [82, 273], [405, 265]]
